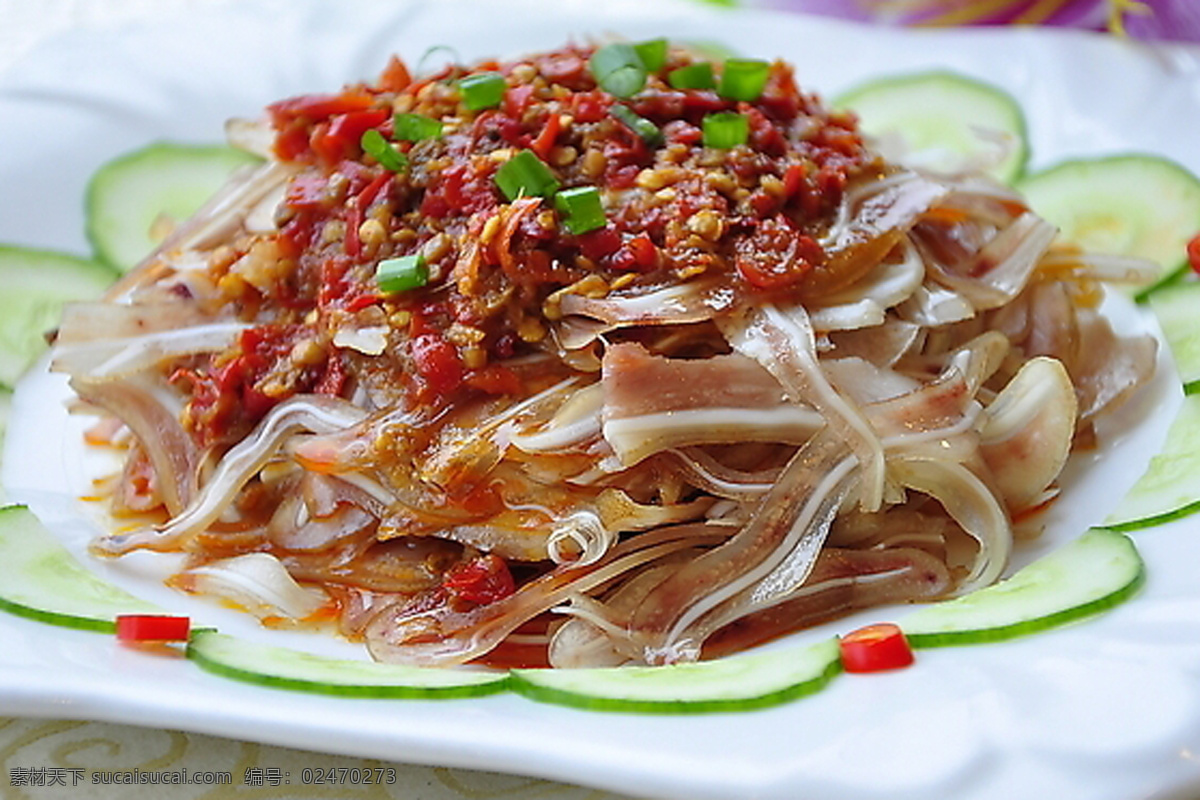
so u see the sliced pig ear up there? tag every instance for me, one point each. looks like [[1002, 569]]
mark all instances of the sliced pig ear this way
[[1026, 435]]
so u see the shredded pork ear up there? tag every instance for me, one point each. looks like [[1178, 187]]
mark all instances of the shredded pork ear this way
[[783, 343], [315, 414], [709, 422]]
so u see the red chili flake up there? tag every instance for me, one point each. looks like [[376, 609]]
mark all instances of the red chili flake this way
[[639, 253], [544, 142], [517, 99], [481, 580], [1193, 252], [599, 243], [764, 135], [438, 363], [590, 106], [495, 379], [793, 179], [564, 68], [333, 381], [291, 143], [680, 132], [307, 191], [776, 255]]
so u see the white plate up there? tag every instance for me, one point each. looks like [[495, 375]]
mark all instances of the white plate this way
[[1107, 708]]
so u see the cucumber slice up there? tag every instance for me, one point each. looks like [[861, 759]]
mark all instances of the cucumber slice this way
[[1095, 572], [127, 195], [282, 668], [738, 683], [1170, 486], [1176, 308], [1132, 205], [39, 579], [940, 115], [36, 284]]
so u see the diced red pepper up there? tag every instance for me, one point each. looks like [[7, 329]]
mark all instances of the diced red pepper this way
[[314, 107], [680, 132], [481, 580], [438, 362], [793, 179], [599, 243], [152, 628], [564, 68], [544, 142], [517, 99], [1193, 252], [339, 138], [334, 380], [395, 77], [590, 106], [875, 648], [776, 255], [639, 254]]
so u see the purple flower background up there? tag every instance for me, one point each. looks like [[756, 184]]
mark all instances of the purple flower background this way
[[1174, 20]]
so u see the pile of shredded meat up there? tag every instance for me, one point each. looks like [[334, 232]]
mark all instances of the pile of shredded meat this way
[[775, 380]]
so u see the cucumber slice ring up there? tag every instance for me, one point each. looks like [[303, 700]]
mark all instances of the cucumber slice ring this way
[[1095, 572], [39, 579], [36, 285], [283, 668], [126, 195], [1132, 204], [939, 112], [1176, 307], [1170, 487], [737, 683]]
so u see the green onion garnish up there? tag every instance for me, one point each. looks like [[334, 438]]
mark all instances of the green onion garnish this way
[[401, 274], [618, 69], [744, 79], [482, 90], [415, 127], [525, 175], [725, 130], [653, 54], [581, 209], [374, 145], [639, 125], [693, 76]]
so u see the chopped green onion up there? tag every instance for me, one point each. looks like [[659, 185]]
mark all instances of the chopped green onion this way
[[374, 145], [482, 90], [581, 209], [618, 69], [401, 274], [653, 54], [744, 79], [693, 76], [415, 127], [639, 125], [726, 130], [525, 175]]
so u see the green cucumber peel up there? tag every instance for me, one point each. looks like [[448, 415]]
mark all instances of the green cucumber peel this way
[[1169, 489], [1176, 308], [283, 668], [41, 580], [126, 195], [1129, 204], [938, 110], [1091, 574], [737, 683], [36, 285]]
